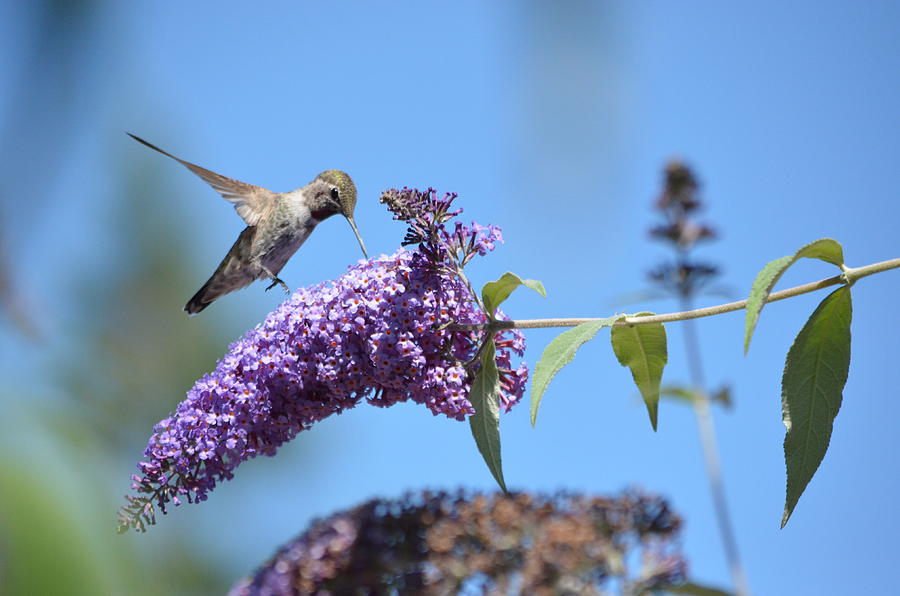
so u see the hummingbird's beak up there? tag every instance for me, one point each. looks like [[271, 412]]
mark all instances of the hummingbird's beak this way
[[358, 237]]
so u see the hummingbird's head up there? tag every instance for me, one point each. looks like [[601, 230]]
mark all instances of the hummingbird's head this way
[[341, 196], [341, 190]]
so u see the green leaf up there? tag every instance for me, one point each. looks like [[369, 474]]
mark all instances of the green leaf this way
[[693, 589], [677, 393], [688, 395], [494, 293], [811, 390], [825, 249], [759, 292], [684, 394], [642, 348], [485, 423], [559, 353]]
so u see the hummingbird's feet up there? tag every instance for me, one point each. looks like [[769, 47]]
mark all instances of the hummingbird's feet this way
[[275, 282]]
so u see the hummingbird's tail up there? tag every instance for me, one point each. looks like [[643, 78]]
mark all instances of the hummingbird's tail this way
[[225, 280], [203, 298], [217, 286], [233, 273]]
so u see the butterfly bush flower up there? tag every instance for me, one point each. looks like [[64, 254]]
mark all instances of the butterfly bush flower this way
[[383, 332]]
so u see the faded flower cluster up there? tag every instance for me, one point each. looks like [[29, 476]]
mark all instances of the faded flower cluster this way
[[434, 544], [678, 204], [382, 332]]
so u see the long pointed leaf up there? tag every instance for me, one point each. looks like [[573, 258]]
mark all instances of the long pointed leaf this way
[[557, 354], [485, 423], [825, 249], [494, 293], [642, 348], [815, 373]]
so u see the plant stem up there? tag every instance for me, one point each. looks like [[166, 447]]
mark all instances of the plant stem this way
[[707, 430], [849, 276]]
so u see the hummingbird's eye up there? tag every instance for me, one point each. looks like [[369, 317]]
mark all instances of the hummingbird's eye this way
[[334, 194]]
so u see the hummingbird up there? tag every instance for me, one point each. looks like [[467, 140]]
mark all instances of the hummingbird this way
[[277, 224]]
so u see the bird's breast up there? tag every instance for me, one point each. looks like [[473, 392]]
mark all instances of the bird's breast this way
[[283, 234]]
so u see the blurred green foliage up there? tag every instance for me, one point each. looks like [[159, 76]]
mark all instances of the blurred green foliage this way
[[64, 459], [125, 363], [115, 363]]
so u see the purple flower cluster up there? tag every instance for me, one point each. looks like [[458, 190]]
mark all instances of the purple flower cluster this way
[[439, 543], [381, 332]]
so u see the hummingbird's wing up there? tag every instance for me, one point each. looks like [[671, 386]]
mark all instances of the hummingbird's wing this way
[[251, 202]]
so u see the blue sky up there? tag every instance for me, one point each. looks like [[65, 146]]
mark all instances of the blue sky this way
[[552, 122]]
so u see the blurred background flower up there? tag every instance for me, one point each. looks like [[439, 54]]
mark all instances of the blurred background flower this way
[[441, 543], [551, 120]]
